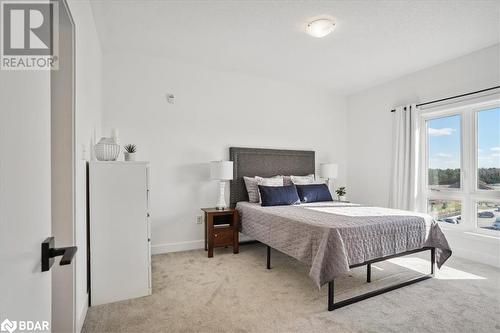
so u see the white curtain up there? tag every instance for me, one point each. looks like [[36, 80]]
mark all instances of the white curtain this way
[[405, 167]]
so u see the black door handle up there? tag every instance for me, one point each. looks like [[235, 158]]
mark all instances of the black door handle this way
[[49, 252]]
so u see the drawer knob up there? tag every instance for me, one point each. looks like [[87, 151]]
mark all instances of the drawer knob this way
[[216, 235]]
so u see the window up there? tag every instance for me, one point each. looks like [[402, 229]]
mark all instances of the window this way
[[488, 215], [448, 211], [443, 135], [488, 156], [461, 166]]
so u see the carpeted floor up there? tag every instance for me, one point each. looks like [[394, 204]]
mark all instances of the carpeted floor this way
[[236, 293]]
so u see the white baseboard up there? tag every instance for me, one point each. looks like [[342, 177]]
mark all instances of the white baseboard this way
[[80, 320], [178, 246], [185, 246]]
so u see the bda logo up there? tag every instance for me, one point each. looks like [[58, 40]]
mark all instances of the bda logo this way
[[29, 35], [24, 325], [8, 326]]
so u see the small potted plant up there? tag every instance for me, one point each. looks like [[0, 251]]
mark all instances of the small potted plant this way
[[129, 152], [341, 193]]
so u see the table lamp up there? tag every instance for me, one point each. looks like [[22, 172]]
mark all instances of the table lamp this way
[[221, 171]]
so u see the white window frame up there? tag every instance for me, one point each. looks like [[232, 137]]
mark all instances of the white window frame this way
[[468, 194]]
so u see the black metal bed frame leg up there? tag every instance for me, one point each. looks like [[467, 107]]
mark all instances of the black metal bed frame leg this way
[[332, 305], [268, 257], [331, 287], [433, 259]]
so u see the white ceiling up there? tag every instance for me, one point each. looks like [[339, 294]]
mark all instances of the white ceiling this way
[[375, 41]]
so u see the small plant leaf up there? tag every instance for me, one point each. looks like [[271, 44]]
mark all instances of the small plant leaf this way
[[341, 191], [130, 148]]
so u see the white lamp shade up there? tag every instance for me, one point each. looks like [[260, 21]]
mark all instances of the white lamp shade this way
[[328, 170], [221, 170]]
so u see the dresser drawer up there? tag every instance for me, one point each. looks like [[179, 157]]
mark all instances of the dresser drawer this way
[[223, 236]]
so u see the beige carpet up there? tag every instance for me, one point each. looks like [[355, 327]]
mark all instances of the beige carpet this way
[[235, 293]]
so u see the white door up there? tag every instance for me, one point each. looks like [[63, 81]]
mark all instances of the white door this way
[[25, 195], [63, 174], [32, 168]]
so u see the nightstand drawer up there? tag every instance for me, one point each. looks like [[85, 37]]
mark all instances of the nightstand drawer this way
[[223, 236]]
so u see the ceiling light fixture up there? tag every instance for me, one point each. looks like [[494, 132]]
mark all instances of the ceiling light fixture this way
[[320, 28]]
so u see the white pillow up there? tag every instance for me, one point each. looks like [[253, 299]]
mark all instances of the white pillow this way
[[273, 181], [252, 187], [302, 180]]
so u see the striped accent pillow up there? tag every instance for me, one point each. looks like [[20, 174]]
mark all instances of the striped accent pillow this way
[[252, 189]]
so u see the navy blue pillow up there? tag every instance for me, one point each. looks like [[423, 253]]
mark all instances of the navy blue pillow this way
[[278, 195], [314, 193]]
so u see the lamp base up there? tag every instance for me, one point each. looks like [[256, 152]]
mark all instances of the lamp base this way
[[328, 185], [221, 203]]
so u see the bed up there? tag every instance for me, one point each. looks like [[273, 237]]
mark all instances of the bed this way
[[330, 237]]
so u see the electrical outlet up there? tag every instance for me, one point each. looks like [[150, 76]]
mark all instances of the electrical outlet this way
[[199, 219]]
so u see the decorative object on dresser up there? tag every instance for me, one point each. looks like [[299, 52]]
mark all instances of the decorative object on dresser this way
[[93, 142], [328, 171], [129, 153], [221, 229], [115, 135], [221, 171], [341, 193], [119, 237], [107, 150]]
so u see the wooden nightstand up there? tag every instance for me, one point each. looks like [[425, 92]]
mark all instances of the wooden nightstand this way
[[221, 229]]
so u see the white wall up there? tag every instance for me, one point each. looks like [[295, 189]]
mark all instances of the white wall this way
[[87, 116], [212, 111], [370, 127]]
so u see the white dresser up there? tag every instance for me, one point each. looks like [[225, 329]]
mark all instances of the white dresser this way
[[120, 252]]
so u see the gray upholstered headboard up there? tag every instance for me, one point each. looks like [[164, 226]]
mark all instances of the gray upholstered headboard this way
[[252, 162]]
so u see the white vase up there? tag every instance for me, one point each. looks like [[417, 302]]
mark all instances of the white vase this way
[[342, 198], [106, 150], [129, 157]]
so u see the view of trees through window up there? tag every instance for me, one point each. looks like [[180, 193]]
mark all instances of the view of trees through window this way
[[488, 178]]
